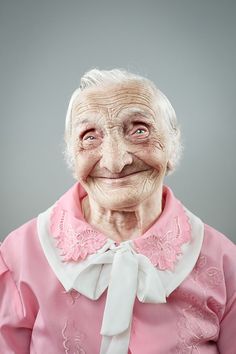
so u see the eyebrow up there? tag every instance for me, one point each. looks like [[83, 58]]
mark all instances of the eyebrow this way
[[126, 112], [130, 112], [83, 121]]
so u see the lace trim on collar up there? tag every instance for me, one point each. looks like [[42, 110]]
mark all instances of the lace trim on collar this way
[[75, 238], [162, 246]]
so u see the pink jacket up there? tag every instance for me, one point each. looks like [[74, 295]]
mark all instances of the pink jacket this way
[[66, 288]]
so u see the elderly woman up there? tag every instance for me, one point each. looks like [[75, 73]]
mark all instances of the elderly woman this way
[[118, 265]]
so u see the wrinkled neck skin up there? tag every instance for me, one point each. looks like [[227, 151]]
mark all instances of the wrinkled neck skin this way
[[123, 225]]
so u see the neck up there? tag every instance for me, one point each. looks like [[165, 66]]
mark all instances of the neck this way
[[123, 225]]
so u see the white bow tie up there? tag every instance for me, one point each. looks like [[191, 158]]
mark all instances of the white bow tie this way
[[125, 273]]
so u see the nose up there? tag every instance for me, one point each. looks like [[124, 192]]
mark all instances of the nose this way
[[115, 155]]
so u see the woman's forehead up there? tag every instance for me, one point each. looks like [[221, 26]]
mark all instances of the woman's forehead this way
[[114, 98]]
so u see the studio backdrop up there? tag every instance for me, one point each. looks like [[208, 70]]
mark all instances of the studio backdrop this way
[[186, 47]]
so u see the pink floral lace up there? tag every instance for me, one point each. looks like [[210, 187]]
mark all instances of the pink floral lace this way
[[76, 242], [163, 248]]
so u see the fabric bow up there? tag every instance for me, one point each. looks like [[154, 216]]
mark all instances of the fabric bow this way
[[126, 274]]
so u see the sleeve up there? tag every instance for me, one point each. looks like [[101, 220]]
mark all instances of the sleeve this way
[[15, 331], [227, 336]]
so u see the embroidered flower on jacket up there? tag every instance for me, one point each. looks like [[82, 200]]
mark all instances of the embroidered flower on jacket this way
[[163, 249], [196, 325], [201, 311], [73, 294], [211, 276], [73, 339], [76, 243]]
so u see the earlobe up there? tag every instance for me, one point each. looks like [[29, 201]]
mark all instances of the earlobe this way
[[169, 168]]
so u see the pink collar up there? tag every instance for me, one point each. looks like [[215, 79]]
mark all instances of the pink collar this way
[[161, 243]]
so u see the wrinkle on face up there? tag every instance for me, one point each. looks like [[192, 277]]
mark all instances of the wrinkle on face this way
[[112, 101], [112, 113]]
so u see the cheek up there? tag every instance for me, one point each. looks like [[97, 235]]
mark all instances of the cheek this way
[[84, 160], [154, 156], [84, 164]]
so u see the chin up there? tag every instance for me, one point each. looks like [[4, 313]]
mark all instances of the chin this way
[[121, 194], [120, 199]]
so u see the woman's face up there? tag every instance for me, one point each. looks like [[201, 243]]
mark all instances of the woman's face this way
[[120, 145]]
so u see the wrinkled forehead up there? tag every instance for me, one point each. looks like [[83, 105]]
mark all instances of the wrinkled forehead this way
[[113, 99]]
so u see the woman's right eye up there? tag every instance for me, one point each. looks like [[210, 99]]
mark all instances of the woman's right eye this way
[[89, 137]]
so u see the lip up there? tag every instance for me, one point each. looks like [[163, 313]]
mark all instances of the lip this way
[[121, 179]]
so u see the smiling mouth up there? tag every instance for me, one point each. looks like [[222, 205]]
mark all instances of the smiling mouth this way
[[119, 177]]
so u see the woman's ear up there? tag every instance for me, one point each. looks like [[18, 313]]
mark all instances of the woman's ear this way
[[169, 168]]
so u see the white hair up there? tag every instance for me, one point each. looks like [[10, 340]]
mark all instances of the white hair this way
[[101, 78]]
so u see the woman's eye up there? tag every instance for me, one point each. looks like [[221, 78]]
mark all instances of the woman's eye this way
[[89, 137], [140, 131]]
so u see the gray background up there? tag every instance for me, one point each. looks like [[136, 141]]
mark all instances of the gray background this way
[[186, 47]]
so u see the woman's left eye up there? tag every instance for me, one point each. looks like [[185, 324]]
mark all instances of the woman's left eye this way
[[140, 131]]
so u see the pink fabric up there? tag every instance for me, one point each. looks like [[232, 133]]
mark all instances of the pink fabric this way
[[38, 316]]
